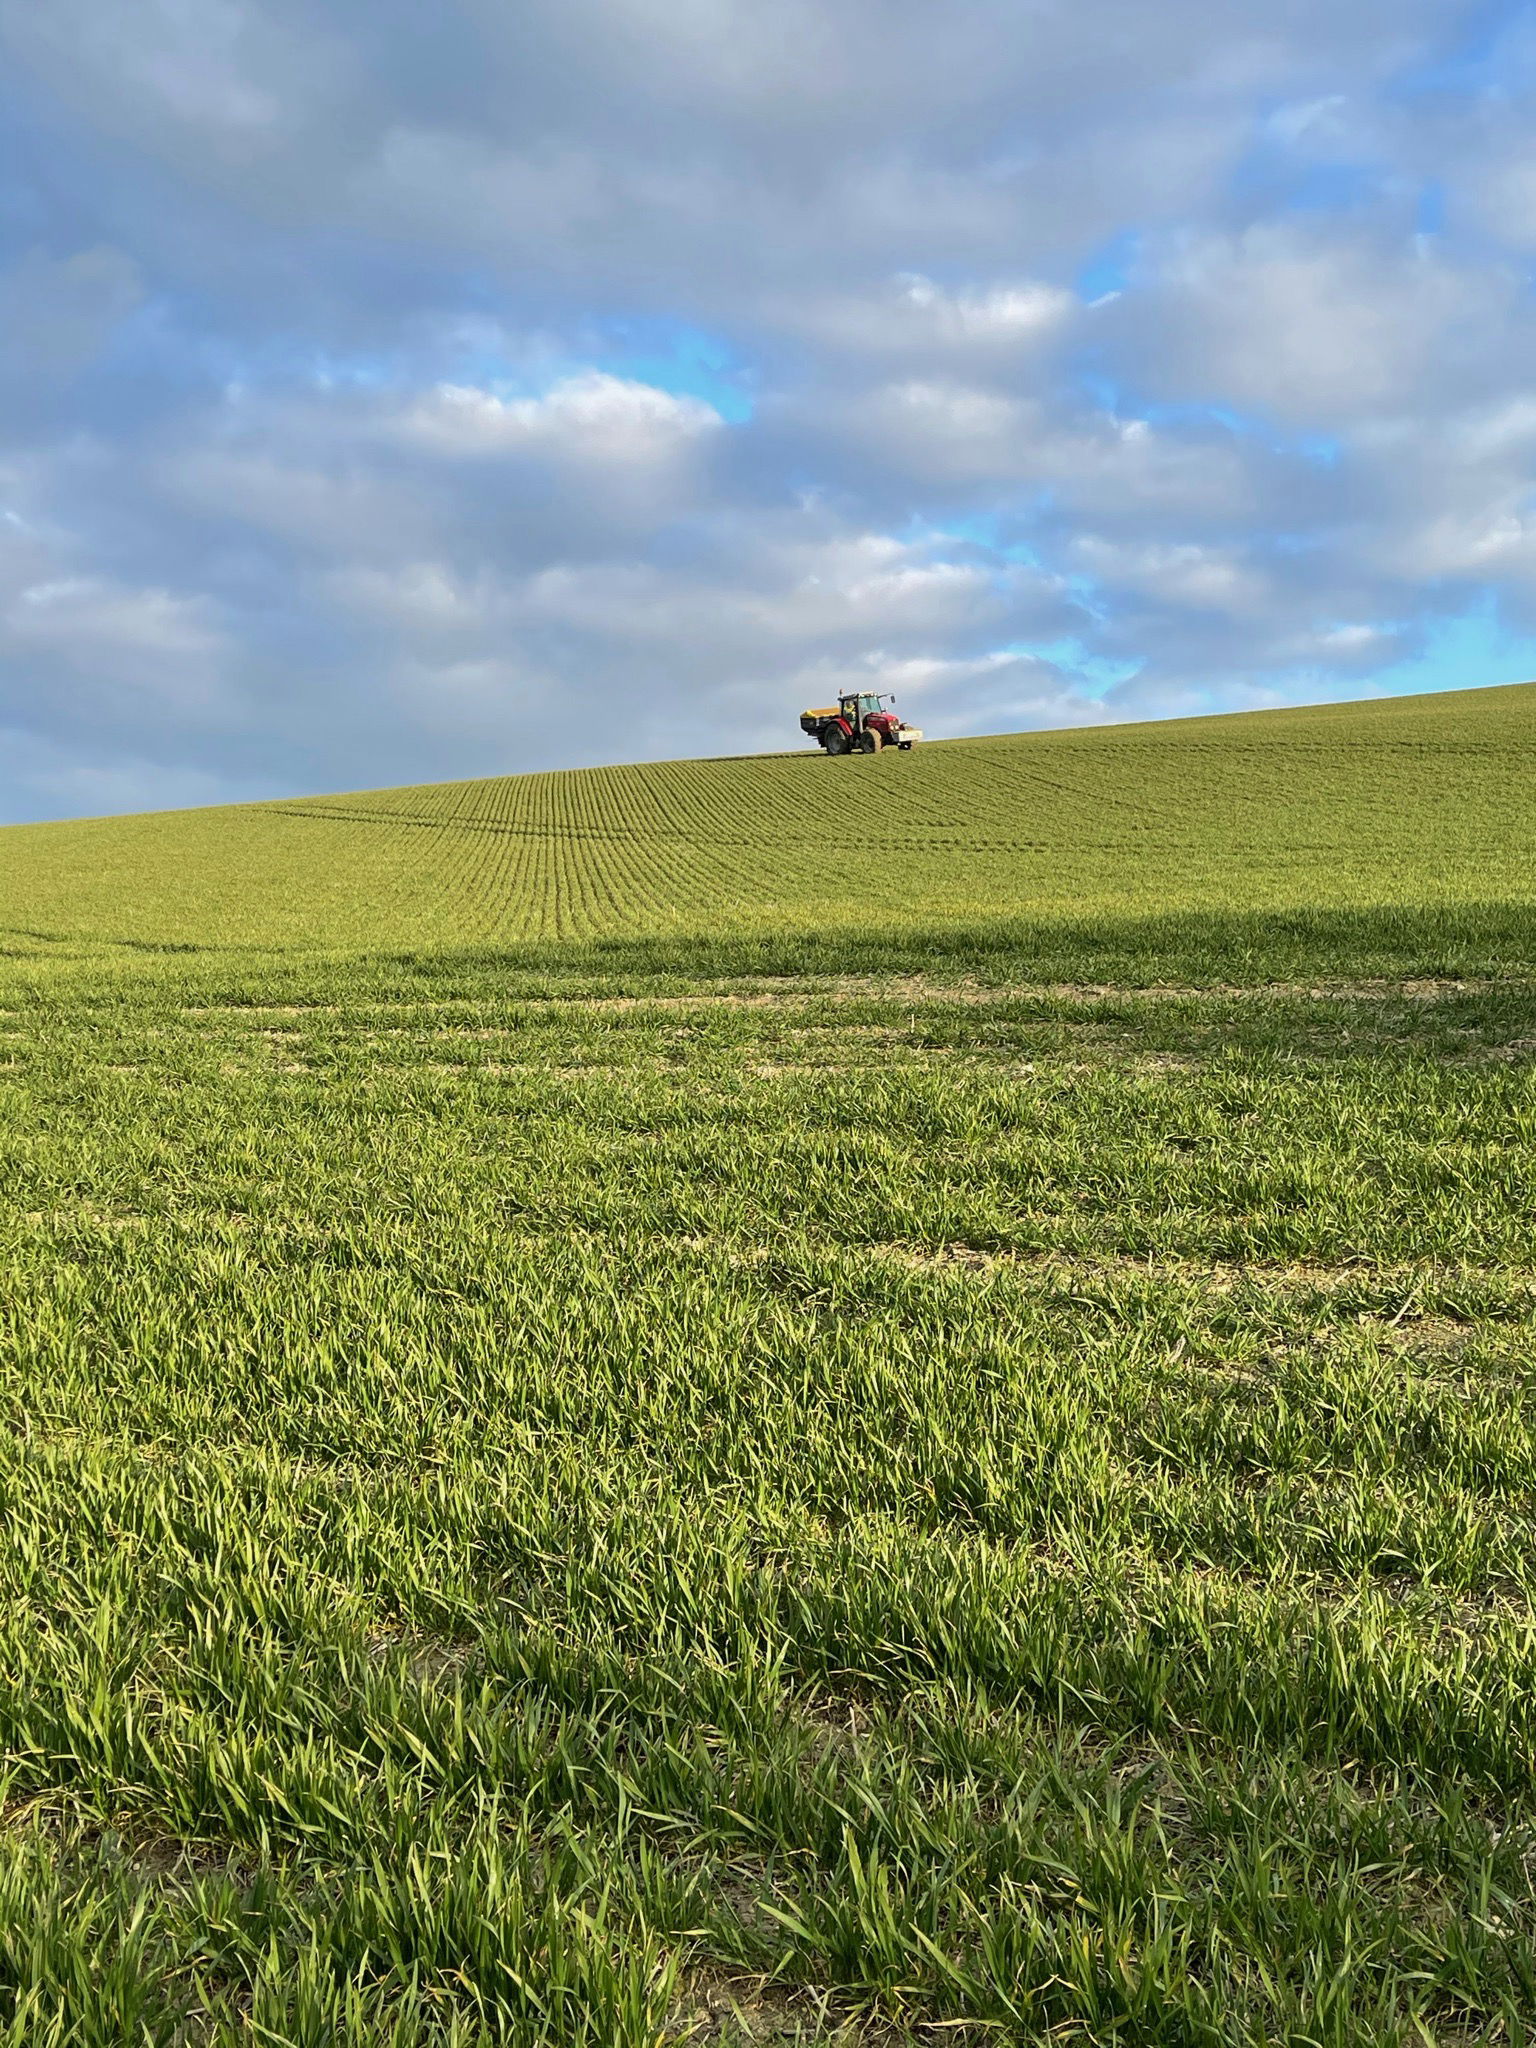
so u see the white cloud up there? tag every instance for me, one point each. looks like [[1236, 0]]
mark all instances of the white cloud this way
[[424, 597], [89, 616], [1477, 545], [591, 417], [1320, 328], [910, 315], [1311, 118], [1208, 579], [941, 430], [313, 496], [859, 589]]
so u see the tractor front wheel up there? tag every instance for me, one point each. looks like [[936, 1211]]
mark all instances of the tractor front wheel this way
[[870, 741]]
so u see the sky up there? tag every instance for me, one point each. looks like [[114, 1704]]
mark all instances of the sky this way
[[393, 393]]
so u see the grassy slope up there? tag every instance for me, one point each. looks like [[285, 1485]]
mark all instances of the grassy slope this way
[[556, 1491], [1422, 801]]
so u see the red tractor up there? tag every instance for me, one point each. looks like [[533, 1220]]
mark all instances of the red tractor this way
[[858, 724]]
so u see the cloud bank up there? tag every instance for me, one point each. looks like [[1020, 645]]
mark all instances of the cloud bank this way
[[391, 393]]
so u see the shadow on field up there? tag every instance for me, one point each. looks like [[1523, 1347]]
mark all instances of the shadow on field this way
[[1197, 948], [1363, 951], [95, 942]]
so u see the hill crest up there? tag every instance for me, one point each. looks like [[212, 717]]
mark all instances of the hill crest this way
[[1417, 799]]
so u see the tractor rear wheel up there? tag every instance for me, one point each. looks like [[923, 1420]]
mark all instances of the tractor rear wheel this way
[[870, 741], [835, 741]]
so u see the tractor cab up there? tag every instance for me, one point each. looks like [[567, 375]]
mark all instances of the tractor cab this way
[[858, 722]]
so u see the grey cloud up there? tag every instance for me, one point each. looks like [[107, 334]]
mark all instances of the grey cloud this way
[[349, 429], [55, 313]]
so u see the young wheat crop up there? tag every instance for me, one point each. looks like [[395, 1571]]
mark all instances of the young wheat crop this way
[[625, 1472]]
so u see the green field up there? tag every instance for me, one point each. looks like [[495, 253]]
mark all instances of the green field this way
[[877, 1401], [1417, 803]]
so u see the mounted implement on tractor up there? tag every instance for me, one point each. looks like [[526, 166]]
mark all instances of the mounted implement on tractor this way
[[858, 724]]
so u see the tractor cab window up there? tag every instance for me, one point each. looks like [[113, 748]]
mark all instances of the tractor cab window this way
[[869, 705]]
